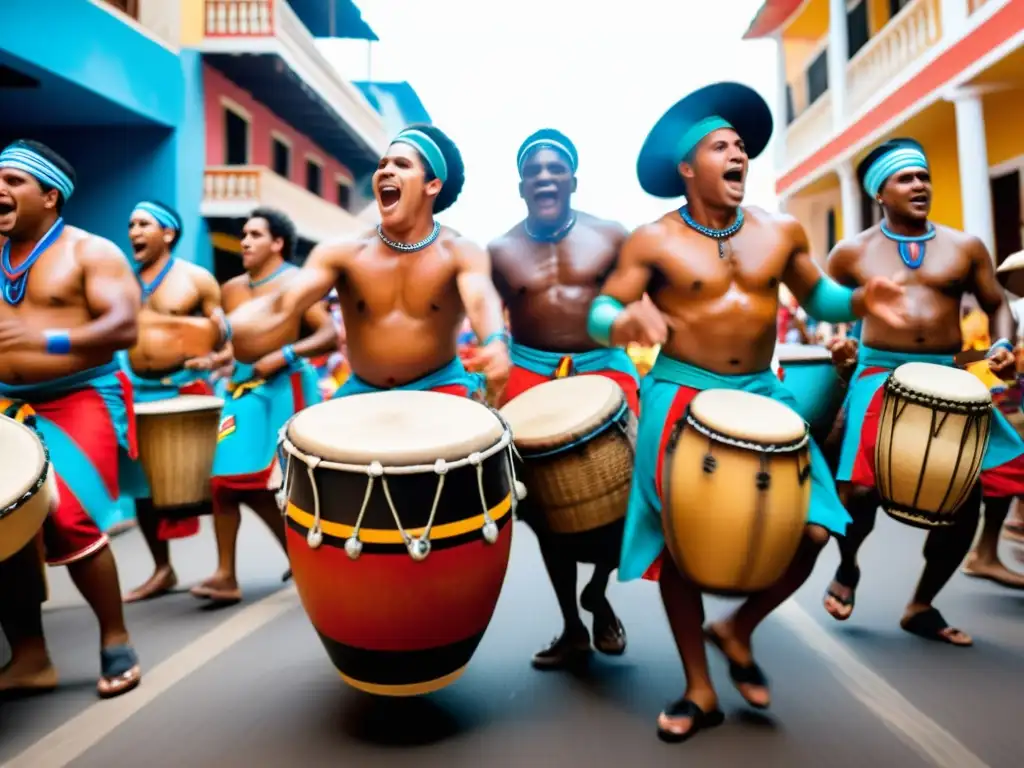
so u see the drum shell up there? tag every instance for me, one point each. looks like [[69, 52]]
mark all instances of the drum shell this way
[[393, 626], [819, 393], [585, 485], [724, 533], [20, 525], [176, 450], [905, 433]]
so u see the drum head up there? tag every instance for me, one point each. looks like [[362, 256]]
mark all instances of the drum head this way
[[746, 416], [179, 404], [557, 412], [22, 460], [942, 382], [395, 428], [802, 353]]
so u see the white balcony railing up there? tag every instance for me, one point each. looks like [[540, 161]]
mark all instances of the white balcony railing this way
[[907, 36], [810, 130], [232, 191], [271, 26]]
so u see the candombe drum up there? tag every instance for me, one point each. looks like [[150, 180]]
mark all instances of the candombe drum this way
[[576, 437], [399, 527], [27, 486], [735, 490], [932, 436], [177, 440], [807, 371]]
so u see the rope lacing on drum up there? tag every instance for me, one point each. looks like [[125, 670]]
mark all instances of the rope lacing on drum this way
[[315, 537], [787, 447]]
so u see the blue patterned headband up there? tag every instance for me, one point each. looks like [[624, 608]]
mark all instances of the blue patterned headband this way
[[162, 216], [22, 158], [891, 163], [554, 144], [428, 148], [696, 133]]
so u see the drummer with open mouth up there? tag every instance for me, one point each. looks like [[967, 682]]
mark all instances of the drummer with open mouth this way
[[938, 265], [713, 270], [404, 287], [548, 268], [68, 302], [180, 326]]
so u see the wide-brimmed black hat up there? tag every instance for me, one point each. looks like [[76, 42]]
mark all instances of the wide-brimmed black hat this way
[[741, 107]]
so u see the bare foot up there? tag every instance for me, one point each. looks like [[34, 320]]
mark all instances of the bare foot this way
[[160, 583], [219, 589], [992, 571], [28, 676], [746, 675]]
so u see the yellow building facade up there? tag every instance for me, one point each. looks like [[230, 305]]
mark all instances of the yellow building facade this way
[[853, 73]]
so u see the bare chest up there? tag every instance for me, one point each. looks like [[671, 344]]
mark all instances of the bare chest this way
[[551, 265], [415, 283], [944, 266], [176, 295], [53, 282], [744, 263]]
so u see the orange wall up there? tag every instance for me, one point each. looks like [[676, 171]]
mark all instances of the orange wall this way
[[1004, 116]]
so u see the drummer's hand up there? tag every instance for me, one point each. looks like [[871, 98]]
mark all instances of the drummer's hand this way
[[15, 336], [1003, 363], [494, 363], [268, 365], [886, 299], [204, 363], [223, 372], [641, 323], [844, 352]]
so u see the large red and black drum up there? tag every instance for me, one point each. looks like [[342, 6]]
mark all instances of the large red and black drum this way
[[399, 527]]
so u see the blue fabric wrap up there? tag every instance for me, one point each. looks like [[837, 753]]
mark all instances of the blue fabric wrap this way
[[601, 318], [453, 374], [644, 539], [1004, 444], [830, 302], [544, 363]]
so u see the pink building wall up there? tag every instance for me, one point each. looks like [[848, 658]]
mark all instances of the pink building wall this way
[[216, 86]]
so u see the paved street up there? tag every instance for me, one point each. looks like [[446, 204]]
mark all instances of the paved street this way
[[251, 685]]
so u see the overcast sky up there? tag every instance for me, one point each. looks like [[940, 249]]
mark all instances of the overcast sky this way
[[491, 73]]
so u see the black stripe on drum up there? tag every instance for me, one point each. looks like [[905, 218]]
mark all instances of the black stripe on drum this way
[[400, 549], [399, 668], [341, 494]]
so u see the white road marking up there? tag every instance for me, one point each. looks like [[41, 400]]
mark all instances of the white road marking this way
[[72, 739], [909, 723]]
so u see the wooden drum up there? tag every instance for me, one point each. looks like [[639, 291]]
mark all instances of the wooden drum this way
[[27, 486], [399, 527], [177, 439], [807, 371], [932, 436], [736, 490], [576, 437]]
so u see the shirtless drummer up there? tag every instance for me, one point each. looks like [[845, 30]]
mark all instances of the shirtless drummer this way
[[548, 269], [173, 356], [404, 287], [68, 302], [713, 269], [938, 265]]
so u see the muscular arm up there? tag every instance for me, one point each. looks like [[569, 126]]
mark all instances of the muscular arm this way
[[112, 296], [479, 296], [633, 268], [989, 293], [821, 296]]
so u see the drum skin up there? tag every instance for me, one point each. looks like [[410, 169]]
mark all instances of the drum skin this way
[[393, 626], [724, 533], [22, 517], [922, 473], [176, 449]]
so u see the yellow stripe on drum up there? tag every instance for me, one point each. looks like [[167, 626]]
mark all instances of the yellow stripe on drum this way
[[408, 689], [389, 536]]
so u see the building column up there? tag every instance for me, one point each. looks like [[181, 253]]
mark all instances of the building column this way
[[781, 105], [953, 18], [838, 56], [972, 157], [849, 188]]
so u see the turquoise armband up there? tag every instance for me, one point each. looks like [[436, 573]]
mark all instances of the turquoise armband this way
[[603, 312], [830, 302], [1001, 344]]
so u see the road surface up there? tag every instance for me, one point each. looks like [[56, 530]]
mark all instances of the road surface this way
[[250, 685]]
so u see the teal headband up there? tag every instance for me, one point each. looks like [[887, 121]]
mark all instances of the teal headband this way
[[891, 163], [554, 144], [22, 158], [696, 133], [428, 149], [162, 216]]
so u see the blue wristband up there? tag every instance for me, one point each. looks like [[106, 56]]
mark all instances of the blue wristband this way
[[1001, 344], [57, 342], [501, 335], [601, 318], [227, 330], [830, 302], [288, 352]]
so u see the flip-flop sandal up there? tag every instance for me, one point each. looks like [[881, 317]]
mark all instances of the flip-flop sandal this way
[[1013, 531], [929, 625], [851, 584], [119, 669], [740, 674], [699, 720]]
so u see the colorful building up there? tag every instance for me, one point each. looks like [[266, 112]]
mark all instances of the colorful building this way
[[213, 106], [852, 73]]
